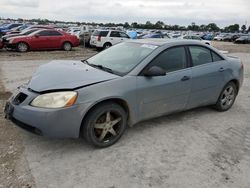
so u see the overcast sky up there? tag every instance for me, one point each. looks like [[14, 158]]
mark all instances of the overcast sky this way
[[182, 12]]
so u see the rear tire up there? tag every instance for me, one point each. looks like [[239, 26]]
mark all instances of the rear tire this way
[[67, 46], [22, 47], [107, 45], [227, 97], [104, 125]]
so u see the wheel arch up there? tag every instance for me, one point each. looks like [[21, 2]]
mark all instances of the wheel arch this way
[[107, 43], [65, 41], [116, 100], [21, 41], [237, 84]]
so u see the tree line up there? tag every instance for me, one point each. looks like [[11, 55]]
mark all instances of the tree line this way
[[212, 27]]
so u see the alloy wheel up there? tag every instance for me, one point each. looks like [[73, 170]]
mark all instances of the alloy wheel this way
[[22, 47], [228, 96], [107, 126]]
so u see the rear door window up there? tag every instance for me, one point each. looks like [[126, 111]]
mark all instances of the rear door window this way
[[54, 33], [44, 33], [216, 57]]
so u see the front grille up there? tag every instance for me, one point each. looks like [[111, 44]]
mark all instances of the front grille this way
[[19, 98]]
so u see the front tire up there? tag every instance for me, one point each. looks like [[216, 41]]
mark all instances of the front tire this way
[[107, 45], [67, 46], [104, 125], [22, 47], [227, 97]]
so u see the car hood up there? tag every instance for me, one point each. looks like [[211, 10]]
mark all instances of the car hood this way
[[60, 75]]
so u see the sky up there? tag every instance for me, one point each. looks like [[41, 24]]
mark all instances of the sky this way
[[181, 12]]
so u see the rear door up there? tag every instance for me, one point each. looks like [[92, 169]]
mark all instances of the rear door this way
[[115, 37], [165, 94], [207, 76], [54, 40]]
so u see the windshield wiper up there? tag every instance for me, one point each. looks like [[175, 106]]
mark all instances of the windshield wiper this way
[[98, 66], [102, 68]]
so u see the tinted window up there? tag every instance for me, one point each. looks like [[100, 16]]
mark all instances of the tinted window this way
[[200, 55], [123, 35], [115, 34], [196, 38], [100, 33], [44, 33], [216, 57], [54, 33], [171, 60]]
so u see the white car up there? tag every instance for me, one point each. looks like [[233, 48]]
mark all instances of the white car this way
[[193, 37], [107, 38], [75, 31], [219, 37]]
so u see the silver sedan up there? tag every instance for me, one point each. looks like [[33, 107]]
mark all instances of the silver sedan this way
[[133, 81]]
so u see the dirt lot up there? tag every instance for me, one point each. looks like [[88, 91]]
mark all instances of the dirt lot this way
[[198, 148]]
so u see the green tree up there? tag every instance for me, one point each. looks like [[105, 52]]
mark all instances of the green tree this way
[[243, 28], [135, 25], [149, 25], [193, 27], [159, 25], [212, 27], [232, 28], [126, 25]]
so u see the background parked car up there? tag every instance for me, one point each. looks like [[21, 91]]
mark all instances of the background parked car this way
[[18, 29], [207, 37], [193, 37], [1, 43], [219, 37], [5, 28], [25, 32], [230, 37], [43, 40], [243, 40], [107, 38]]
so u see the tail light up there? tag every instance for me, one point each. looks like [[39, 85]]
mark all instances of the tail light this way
[[99, 38]]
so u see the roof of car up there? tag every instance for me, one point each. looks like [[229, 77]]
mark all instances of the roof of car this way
[[161, 42]]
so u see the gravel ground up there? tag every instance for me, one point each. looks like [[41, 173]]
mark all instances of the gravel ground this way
[[197, 148]]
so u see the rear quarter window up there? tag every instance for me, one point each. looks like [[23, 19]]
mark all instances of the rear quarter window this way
[[216, 57], [200, 55], [100, 33]]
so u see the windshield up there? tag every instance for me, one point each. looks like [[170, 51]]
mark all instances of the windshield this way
[[123, 57]]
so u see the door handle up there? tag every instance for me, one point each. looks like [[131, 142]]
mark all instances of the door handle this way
[[185, 78], [221, 69], [111, 39]]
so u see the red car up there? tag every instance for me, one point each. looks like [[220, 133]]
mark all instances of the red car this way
[[43, 39], [1, 43]]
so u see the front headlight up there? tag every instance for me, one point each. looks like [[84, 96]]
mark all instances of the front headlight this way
[[55, 100]]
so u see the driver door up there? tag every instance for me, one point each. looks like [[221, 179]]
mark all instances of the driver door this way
[[165, 94]]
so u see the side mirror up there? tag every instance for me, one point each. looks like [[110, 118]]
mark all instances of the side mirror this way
[[37, 35], [154, 71]]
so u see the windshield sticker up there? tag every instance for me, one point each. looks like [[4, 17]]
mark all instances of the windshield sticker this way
[[149, 46]]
